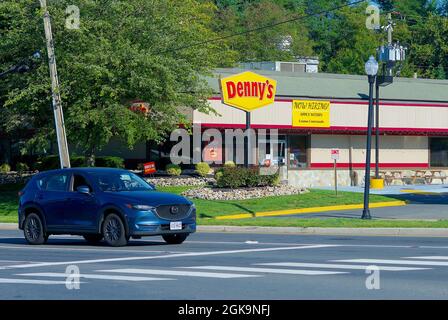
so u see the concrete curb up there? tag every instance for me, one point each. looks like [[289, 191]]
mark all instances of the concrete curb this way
[[390, 232], [386, 232], [9, 226]]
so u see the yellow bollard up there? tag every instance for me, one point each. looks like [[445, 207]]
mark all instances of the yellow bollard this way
[[376, 183]]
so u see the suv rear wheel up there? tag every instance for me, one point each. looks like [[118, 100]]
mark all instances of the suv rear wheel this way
[[33, 230], [113, 231], [93, 238], [176, 238]]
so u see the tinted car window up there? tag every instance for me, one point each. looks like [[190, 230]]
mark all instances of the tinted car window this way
[[57, 182], [120, 181], [79, 181]]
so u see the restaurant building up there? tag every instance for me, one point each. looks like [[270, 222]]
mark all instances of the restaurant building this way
[[413, 119], [413, 145]]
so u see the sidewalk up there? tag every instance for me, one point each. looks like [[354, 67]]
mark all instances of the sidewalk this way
[[389, 232], [397, 190]]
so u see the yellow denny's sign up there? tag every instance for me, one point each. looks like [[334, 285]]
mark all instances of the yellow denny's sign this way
[[248, 91], [307, 113]]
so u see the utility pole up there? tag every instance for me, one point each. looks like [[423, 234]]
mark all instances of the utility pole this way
[[389, 55], [64, 156]]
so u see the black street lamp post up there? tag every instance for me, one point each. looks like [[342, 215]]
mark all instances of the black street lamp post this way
[[371, 70]]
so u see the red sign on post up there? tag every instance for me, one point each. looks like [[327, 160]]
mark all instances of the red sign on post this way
[[149, 168], [335, 154]]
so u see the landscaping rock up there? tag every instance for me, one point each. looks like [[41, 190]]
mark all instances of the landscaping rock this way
[[15, 177], [180, 181], [208, 193]]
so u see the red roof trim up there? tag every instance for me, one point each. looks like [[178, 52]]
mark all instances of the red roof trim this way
[[388, 104], [362, 165], [418, 131]]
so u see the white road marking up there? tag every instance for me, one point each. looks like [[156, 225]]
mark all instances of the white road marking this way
[[27, 281], [67, 248], [181, 273], [430, 258], [267, 270], [336, 266], [92, 276], [180, 255], [399, 262]]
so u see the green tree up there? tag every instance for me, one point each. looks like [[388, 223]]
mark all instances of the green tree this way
[[124, 50], [281, 42]]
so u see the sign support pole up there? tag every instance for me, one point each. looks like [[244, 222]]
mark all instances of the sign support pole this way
[[247, 142], [335, 177]]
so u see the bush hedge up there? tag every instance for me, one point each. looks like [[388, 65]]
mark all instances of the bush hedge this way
[[5, 168], [52, 162], [173, 170], [109, 162], [22, 167], [238, 177], [229, 164], [202, 169]]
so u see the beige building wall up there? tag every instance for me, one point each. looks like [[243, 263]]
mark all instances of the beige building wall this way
[[393, 149], [342, 114]]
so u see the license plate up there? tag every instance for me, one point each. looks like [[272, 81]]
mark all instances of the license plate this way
[[176, 225]]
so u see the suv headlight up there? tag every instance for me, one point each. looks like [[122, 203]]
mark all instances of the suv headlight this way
[[142, 207]]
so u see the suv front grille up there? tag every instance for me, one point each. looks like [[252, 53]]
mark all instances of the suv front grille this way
[[173, 212]]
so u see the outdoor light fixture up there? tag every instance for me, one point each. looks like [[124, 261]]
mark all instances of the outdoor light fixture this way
[[371, 71], [371, 66]]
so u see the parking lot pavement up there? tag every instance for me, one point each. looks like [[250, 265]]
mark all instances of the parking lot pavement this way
[[226, 266]]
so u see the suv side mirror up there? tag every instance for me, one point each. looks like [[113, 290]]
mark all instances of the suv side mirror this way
[[83, 189]]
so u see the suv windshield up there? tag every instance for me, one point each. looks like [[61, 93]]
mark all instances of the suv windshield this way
[[119, 181]]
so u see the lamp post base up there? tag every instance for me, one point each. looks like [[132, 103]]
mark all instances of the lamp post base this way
[[366, 215]]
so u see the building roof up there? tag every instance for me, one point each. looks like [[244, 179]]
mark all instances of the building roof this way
[[337, 86]]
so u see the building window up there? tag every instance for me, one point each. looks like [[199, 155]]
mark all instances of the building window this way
[[298, 157], [438, 152]]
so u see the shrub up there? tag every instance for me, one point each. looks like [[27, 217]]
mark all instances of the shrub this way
[[238, 177], [232, 178], [5, 168], [48, 163], [22, 167], [202, 168], [77, 161], [109, 162], [173, 170], [252, 178], [229, 164]]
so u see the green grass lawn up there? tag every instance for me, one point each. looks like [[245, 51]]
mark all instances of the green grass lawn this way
[[327, 223], [9, 202], [207, 210], [315, 198]]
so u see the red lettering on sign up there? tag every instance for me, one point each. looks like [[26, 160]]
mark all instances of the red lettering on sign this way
[[231, 90], [260, 90]]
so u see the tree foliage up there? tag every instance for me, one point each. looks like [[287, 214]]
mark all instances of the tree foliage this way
[[124, 50]]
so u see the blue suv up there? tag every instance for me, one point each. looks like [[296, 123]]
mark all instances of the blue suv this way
[[101, 203]]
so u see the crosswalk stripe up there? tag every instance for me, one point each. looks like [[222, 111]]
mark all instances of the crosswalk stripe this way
[[28, 281], [181, 273], [399, 262], [93, 276], [430, 258], [267, 270], [336, 266]]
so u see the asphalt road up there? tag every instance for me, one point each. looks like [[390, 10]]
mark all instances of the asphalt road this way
[[226, 266]]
